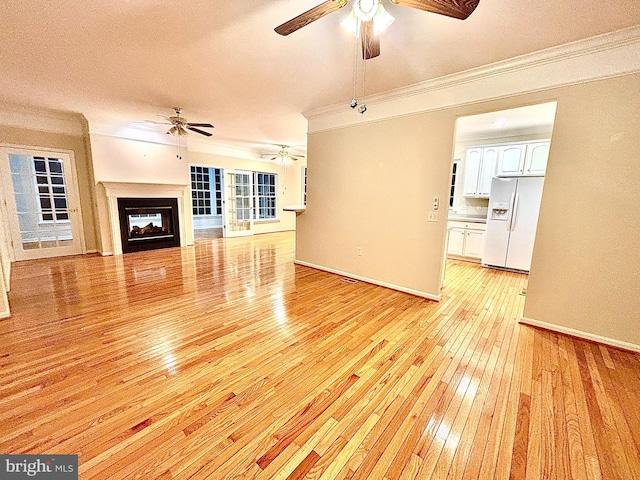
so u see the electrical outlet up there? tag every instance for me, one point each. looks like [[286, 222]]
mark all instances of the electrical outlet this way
[[433, 216], [359, 251]]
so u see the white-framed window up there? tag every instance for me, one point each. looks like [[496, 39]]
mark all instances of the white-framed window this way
[[304, 185], [265, 195], [53, 205], [206, 190], [454, 176]]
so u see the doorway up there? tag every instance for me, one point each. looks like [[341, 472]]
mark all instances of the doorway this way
[[206, 202], [41, 203], [507, 146]]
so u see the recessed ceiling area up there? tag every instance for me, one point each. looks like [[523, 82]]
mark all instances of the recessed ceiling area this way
[[531, 119], [119, 63]]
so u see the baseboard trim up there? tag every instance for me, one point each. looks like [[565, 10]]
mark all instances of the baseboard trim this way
[[5, 313], [106, 254], [410, 291], [582, 335]]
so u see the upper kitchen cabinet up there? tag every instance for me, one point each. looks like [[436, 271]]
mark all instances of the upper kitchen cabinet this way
[[519, 160], [512, 160], [479, 169], [536, 159]]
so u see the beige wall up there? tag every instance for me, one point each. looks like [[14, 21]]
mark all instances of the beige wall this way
[[585, 274], [76, 144], [372, 185]]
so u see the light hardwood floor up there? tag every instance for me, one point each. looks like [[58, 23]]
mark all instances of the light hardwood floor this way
[[226, 360]]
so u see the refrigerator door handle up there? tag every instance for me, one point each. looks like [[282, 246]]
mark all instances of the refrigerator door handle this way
[[514, 215], [510, 221]]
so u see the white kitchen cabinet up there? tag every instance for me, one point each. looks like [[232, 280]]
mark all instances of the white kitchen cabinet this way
[[487, 171], [522, 160], [473, 243], [456, 241], [479, 169], [465, 240], [472, 161], [536, 158], [511, 160]]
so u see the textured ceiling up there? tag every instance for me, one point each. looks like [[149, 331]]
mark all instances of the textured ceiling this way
[[126, 61]]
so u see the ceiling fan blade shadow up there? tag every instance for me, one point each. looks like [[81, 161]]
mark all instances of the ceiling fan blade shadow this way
[[208, 125], [370, 42], [201, 132], [309, 16], [460, 9]]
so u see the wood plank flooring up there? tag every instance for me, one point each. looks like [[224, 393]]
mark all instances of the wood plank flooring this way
[[226, 360]]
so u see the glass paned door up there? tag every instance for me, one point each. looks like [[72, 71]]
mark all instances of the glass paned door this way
[[239, 204], [43, 219]]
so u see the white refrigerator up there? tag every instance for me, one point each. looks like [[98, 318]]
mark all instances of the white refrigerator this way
[[512, 220]]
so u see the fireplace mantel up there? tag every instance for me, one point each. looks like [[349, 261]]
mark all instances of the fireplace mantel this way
[[139, 189], [115, 190]]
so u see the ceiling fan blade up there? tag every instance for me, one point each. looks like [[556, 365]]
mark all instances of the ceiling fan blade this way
[[309, 16], [201, 132], [208, 125], [460, 9], [370, 42]]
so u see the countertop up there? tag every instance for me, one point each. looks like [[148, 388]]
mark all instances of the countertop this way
[[467, 218]]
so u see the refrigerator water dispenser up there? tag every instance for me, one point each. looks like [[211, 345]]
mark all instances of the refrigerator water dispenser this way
[[499, 211]]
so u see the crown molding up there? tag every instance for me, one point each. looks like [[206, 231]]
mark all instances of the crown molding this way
[[43, 120], [603, 56]]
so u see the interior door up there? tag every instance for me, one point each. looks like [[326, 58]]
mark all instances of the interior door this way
[[238, 203], [41, 202]]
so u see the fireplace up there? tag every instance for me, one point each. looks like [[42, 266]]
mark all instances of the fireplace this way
[[148, 223]]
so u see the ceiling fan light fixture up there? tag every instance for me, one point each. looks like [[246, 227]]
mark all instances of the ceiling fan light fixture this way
[[382, 20], [365, 10], [351, 24]]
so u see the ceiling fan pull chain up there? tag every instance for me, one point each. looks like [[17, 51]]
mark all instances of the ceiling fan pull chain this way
[[354, 99], [363, 107]]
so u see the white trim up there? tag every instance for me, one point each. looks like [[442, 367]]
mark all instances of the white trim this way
[[410, 291], [42, 120], [580, 334], [603, 56]]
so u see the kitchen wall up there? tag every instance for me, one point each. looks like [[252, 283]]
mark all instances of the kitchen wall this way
[[584, 271]]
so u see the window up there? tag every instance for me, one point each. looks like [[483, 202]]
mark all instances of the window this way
[[454, 174], [52, 190], [264, 195], [204, 199], [304, 185]]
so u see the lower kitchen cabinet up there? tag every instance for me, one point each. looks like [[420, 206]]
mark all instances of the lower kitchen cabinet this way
[[465, 240]]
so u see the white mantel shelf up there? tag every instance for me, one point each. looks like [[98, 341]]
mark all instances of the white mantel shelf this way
[[139, 189]]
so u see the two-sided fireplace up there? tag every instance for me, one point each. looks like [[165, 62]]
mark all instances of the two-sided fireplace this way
[[148, 223]]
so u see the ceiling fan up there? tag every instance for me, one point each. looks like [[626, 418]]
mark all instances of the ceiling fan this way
[[283, 154], [180, 125], [366, 12]]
